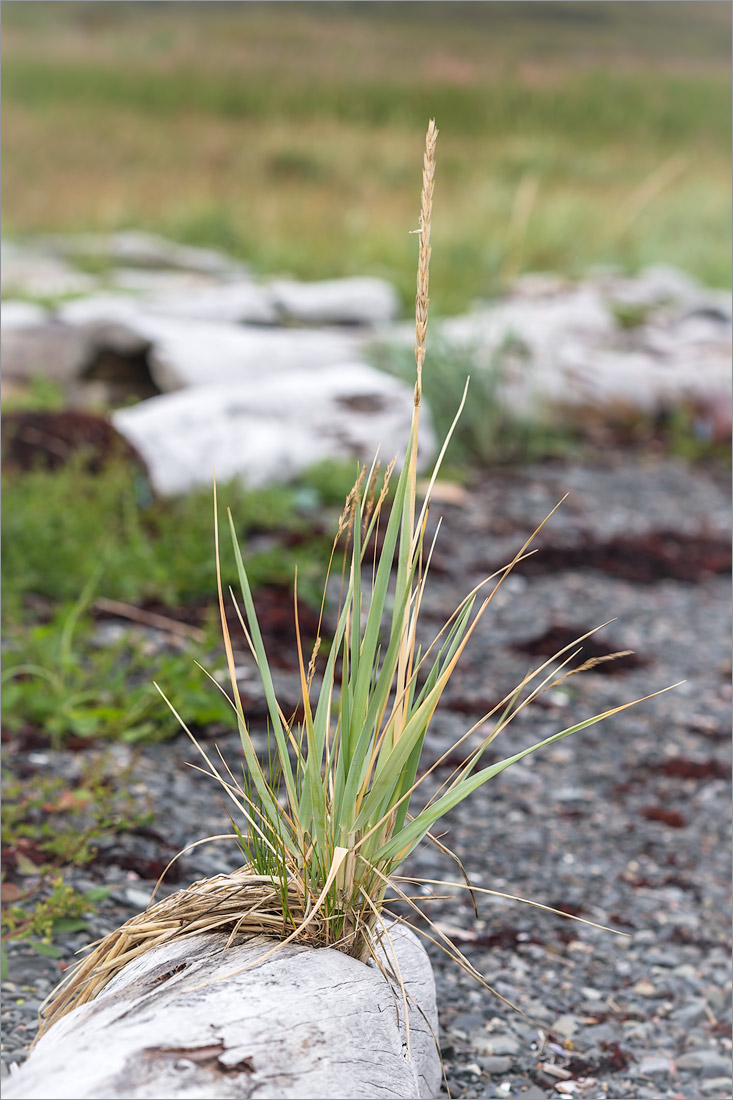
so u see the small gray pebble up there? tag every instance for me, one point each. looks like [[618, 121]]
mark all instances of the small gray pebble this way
[[502, 1043], [656, 957], [654, 1066], [686, 970], [496, 1065], [718, 1087], [602, 1033], [691, 1013], [565, 1025], [709, 1063], [467, 1021]]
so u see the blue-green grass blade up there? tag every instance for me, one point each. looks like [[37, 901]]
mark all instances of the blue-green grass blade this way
[[355, 638], [388, 776], [401, 845], [362, 677], [393, 757], [381, 687], [312, 795], [264, 668]]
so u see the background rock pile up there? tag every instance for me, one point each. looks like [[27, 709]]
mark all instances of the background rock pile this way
[[265, 377]]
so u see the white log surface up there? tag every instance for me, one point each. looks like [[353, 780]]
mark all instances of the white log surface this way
[[301, 1024]]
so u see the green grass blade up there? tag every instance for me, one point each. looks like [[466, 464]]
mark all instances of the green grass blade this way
[[414, 832], [362, 677], [264, 668]]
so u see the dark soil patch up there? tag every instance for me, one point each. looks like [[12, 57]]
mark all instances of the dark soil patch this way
[[657, 556], [148, 857], [49, 440], [684, 768], [672, 818], [558, 636], [275, 608]]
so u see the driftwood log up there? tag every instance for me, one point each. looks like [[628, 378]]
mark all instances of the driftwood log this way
[[301, 1023]]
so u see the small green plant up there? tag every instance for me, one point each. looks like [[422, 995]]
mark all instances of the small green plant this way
[[48, 827], [38, 914], [631, 315], [330, 825], [159, 550], [42, 395], [59, 680]]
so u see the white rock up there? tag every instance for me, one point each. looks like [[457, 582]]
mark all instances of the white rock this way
[[187, 352], [50, 350], [271, 430], [185, 1021], [151, 280], [536, 323], [135, 248], [101, 308], [201, 353], [660, 283], [21, 315], [564, 351], [357, 301], [33, 272], [231, 302]]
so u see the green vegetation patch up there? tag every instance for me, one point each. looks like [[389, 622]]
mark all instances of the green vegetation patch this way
[[73, 540], [186, 118], [49, 825]]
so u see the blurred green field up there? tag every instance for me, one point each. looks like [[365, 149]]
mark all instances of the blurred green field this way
[[572, 134]]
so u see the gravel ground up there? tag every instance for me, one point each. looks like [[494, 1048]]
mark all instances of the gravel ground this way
[[626, 824]]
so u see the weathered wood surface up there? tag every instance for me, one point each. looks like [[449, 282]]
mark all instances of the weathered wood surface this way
[[302, 1023]]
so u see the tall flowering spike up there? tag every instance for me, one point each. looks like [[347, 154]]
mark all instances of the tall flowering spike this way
[[423, 267]]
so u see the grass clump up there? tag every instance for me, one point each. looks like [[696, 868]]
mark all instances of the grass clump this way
[[328, 828]]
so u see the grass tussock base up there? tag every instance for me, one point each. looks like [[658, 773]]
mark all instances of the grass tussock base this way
[[328, 821], [240, 903]]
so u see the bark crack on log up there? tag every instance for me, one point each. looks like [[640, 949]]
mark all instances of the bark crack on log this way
[[207, 1057], [169, 973]]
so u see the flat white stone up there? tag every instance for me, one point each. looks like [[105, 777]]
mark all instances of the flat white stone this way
[[135, 248], [186, 1020], [562, 350], [537, 323], [271, 430], [100, 308], [32, 272], [355, 301], [190, 352], [21, 315], [232, 302], [201, 353], [153, 281], [50, 350]]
